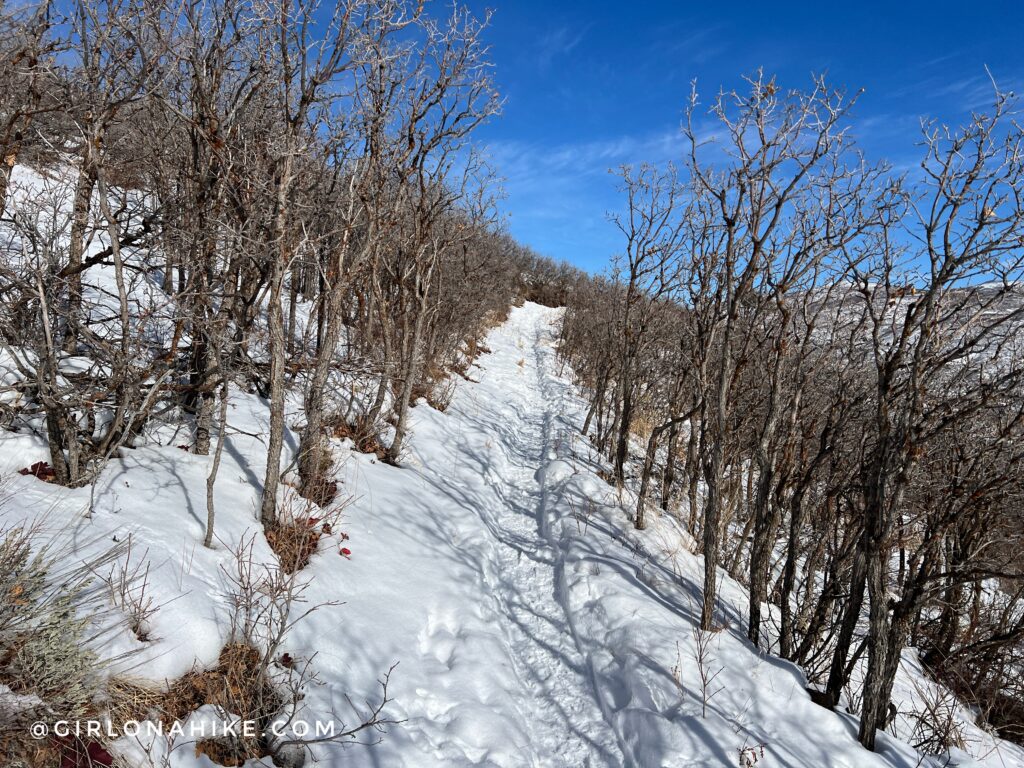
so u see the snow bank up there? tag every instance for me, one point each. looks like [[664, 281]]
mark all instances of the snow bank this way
[[531, 625]]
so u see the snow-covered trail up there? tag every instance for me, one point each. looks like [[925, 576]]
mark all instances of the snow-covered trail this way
[[495, 674], [526, 575]]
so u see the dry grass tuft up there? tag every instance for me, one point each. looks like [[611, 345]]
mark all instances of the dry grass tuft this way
[[294, 542], [226, 752], [133, 700], [440, 395], [364, 438], [238, 684]]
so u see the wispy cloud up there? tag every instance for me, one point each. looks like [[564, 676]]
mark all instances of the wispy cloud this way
[[525, 160], [558, 196], [559, 42], [686, 43], [973, 92]]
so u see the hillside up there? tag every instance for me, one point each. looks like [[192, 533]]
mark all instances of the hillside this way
[[348, 418], [530, 624]]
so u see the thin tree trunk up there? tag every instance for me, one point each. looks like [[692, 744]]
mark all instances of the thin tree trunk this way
[[760, 547], [712, 521], [670, 465], [80, 209], [314, 456], [789, 574], [838, 676], [409, 372], [275, 323], [211, 479], [275, 444]]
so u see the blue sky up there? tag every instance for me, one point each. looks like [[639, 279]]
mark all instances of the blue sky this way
[[592, 85]]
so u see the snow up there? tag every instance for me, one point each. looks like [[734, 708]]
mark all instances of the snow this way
[[531, 625]]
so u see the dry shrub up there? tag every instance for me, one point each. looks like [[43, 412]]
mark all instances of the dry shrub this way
[[937, 728], [460, 366], [30, 753], [128, 589], [993, 688], [254, 679], [420, 390], [362, 434], [47, 620], [322, 492], [323, 488], [300, 524], [440, 395], [238, 684], [474, 348], [1006, 715], [433, 374], [226, 752], [642, 426], [244, 683], [294, 542]]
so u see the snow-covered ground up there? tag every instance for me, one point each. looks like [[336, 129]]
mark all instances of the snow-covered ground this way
[[532, 626]]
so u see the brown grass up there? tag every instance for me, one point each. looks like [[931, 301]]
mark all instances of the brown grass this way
[[226, 752], [135, 700], [324, 489], [440, 395], [237, 684], [364, 438], [33, 753], [642, 426], [294, 542], [434, 377]]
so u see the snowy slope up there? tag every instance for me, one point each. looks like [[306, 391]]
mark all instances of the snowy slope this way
[[531, 625]]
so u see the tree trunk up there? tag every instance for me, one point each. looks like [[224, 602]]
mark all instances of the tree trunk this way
[[837, 676], [80, 209], [692, 478], [281, 256], [410, 368], [670, 465], [625, 421], [314, 455], [595, 402], [211, 479], [789, 575], [760, 548], [712, 521], [275, 444]]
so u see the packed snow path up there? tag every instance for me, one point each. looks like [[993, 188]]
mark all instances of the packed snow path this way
[[525, 576], [514, 687]]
